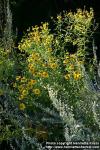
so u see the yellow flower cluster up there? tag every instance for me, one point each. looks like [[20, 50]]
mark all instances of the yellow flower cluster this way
[[24, 85], [82, 20], [44, 74], [77, 75], [53, 65], [34, 57], [40, 36], [18, 78], [36, 37], [39, 66], [25, 44], [27, 85], [22, 106], [23, 93], [73, 67], [44, 27], [32, 69]]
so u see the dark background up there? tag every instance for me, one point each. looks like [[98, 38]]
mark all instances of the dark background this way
[[27, 13], [31, 12]]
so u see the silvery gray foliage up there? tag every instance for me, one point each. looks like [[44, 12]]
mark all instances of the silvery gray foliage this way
[[17, 118], [75, 129], [94, 96], [70, 127], [8, 29], [32, 141]]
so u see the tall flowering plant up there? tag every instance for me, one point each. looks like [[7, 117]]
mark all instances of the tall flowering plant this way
[[53, 72], [50, 60]]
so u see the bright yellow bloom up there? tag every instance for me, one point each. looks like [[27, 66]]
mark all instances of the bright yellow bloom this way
[[52, 59], [59, 17], [31, 69], [50, 49], [67, 76], [21, 97], [65, 61], [23, 79], [36, 91], [18, 78], [45, 26], [32, 81], [24, 92], [44, 74], [30, 66], [71, 67], [22, 106], [35, 56], [53, 65], [76, 75], [45, 65]]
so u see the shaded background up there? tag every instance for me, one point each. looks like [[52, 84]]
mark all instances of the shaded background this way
[[28, 13]]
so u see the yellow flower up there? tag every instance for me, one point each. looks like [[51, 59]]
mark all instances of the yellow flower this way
[[44, 74], [22, 106], [67, 76], [53, 65], [30, 66], [23, 79], [45, 26], [35, 56], [50, 49], [65, 61], [31, 83], [36, 91], [32, 69], [24, 92], [71, 67], [21, 97], [76, 75], [59, 17], [18, 78]]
